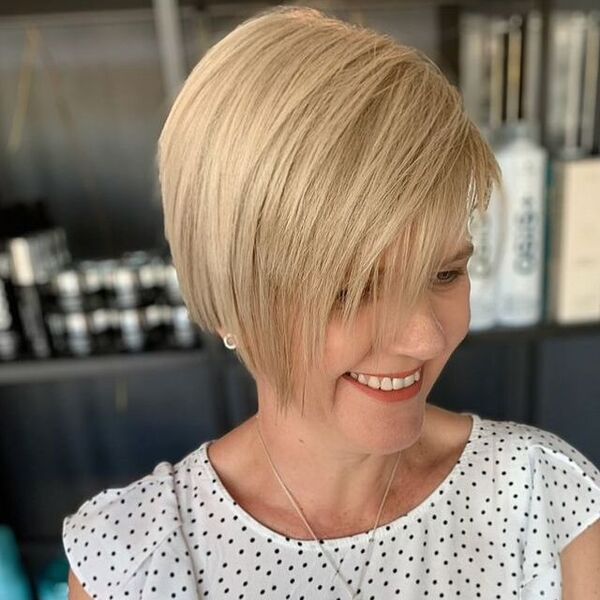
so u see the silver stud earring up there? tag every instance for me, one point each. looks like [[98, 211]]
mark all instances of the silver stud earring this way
[[229, 341]]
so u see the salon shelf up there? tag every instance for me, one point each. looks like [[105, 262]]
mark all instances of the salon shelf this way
[[534, 333], [55, 369]]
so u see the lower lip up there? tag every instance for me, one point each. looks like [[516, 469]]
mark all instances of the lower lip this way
[[387, 396]]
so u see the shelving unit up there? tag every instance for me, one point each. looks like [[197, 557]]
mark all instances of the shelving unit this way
[[58, 369]]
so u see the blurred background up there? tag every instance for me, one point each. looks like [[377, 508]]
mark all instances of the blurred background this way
[[96, 347]]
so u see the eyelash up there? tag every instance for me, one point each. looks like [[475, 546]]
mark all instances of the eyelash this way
[[456, 274]]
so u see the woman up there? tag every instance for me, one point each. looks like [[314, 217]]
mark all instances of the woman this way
[[318, 181]]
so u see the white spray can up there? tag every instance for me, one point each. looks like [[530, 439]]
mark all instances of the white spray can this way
[[521, 267]]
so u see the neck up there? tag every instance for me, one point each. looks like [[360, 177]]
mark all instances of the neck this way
[[333, 483]]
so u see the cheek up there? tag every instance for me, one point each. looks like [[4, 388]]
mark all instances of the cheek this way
[[455, 311], [345, 347]]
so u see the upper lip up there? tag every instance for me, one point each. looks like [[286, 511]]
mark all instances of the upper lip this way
[[396, 375]]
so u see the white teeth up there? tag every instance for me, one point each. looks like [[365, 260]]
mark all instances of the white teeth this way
[[387, 383], [409, 380], [373, 383]]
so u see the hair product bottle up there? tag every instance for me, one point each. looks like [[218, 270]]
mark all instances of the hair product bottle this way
[[484, 53], [519, 298], [483, 265]]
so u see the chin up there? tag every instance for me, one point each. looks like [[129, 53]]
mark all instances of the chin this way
[[382, 433]]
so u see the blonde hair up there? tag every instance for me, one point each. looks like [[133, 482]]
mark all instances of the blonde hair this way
[[302, 152]]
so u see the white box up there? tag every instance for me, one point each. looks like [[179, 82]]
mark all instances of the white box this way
[[574, 242]]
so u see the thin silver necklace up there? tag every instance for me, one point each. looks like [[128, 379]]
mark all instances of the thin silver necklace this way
[[352, 593]]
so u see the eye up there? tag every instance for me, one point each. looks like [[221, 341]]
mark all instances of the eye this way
[[341, 297], [449, 277]]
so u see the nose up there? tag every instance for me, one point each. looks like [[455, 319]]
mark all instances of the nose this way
[[421, 335]]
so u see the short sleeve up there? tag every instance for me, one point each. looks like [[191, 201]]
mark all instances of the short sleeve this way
[[564, 500], [113, 534]]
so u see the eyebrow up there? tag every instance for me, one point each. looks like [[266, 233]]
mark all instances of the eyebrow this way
[[463, 252]]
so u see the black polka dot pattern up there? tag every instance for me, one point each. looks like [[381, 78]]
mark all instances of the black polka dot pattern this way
[[492, 529]]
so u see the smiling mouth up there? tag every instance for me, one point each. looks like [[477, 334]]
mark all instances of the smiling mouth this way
[[404, 379], [387, 395]]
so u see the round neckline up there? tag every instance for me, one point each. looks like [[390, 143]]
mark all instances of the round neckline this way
[[358, 538]]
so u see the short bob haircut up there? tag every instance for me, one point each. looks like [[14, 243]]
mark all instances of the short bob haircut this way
[[301, 154]]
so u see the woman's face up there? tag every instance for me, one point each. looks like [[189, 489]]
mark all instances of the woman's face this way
[[343, 410]]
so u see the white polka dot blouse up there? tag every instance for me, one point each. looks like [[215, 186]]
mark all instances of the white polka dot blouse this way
[[493, 529]]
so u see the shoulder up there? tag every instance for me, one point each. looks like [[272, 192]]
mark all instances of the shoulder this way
[[545, 456], [551, 488], [550, 465], [114, 538], [565, 485]]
